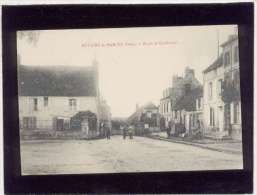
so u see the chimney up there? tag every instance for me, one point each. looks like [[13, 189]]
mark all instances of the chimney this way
[[137, 107]]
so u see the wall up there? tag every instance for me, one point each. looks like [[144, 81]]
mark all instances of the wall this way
[[57, 106], [215, 102]]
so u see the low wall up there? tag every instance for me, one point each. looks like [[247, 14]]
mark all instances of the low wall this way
[[51, 134]]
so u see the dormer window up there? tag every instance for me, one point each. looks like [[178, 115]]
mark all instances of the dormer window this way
[[45, 101], [35, 104]]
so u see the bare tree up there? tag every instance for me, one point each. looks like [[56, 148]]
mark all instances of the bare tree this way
[[31, 36]]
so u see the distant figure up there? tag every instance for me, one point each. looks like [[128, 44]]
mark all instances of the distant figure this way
[[168, 132], [198, 133], [172, 131], [146, 128], [168, 129], [108, 132], [230, 129], [101, 130], [130, 132], [124, 132]]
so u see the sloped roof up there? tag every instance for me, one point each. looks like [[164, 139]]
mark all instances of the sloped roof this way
[[150, 105], [56, 81], [230, 40], [139, 111], [187, 102], [84, 115], [217, 63]]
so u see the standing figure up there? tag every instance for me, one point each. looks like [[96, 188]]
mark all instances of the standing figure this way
[[172, 131], [124, 132], [108, 132], [168, 131], [130, 132]]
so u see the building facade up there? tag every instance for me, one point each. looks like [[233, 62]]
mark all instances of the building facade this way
[[146, 117], [58, 97], [180, 98], [222, 105]]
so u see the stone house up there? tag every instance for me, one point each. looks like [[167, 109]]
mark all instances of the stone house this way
[[146, 117], [171, 105], [51, 97], [222, 105]]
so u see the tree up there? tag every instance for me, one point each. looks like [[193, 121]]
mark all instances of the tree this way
[[30, 36], [231, 89]]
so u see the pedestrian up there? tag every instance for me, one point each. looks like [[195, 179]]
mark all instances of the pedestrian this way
[[199, 130], [230, 129], [124, 132], [108, 132], [102, 130], [172, 131], [168, 130], [130, 132]]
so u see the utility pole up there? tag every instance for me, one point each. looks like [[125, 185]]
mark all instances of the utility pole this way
[[218, 43]]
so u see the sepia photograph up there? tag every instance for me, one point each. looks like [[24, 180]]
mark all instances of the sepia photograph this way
[[129, 100]]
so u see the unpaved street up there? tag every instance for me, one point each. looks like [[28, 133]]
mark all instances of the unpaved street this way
[[118, 155]]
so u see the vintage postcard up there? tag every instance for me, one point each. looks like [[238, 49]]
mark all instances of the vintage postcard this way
[[120, 100]]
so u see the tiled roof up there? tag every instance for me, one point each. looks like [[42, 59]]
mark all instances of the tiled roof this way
[[138, 112], [56, 81]]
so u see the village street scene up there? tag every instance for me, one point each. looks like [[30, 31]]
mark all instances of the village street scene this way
[[92, 119]]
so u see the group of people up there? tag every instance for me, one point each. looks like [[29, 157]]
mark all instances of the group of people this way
[[180, 129], [127, 131]]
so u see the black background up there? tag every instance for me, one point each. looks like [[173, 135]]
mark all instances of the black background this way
[[112, 16]]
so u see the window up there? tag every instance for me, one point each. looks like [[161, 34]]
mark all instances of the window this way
[[236, 56], [199, 103], [236, 112], [35, 104], [29, 122], [227, 58], [210, 90], [219, 87], [45, 101], [212, 121], [72, 104]]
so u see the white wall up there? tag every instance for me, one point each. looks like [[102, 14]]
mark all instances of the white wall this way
[[215, 102], [57, 106]]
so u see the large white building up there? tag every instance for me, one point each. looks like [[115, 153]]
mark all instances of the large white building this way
[[58, 98], [221, 117]]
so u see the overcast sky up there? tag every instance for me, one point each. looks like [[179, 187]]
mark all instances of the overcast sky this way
[[136, 70]]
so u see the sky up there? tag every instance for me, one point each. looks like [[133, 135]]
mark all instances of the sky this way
[[135, 64]]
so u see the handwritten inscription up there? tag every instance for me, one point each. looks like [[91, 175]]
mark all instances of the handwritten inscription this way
[[128, 44]]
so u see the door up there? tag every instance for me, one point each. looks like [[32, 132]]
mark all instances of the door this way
[[221, 119], [60, 124], [85, 126], [227, 116]]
